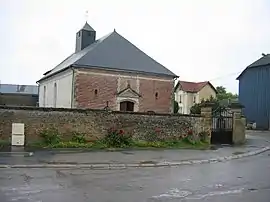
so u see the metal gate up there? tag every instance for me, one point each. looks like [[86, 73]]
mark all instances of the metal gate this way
[[222, 126]]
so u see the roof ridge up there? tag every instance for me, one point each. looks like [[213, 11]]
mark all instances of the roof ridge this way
[[86, 49], [262, 61], [97, 43], [193, 81]]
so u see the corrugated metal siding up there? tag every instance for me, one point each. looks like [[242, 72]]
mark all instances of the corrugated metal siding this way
[[254, 94], [19, 89]]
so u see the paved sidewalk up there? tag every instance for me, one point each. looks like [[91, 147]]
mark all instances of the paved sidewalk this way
[[140, 156]]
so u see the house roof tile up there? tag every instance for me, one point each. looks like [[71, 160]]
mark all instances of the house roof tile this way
[[193, 87]]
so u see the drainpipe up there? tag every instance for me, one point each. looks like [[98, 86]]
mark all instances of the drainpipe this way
[[72, 87], [173, 96]]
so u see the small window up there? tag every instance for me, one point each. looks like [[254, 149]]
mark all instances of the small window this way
[[180, 99], [96, 92], [194, 99], [89, 33], [156, 95], [79, 34]]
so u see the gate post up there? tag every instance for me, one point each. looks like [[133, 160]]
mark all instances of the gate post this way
[[239, 125], [206, 113]]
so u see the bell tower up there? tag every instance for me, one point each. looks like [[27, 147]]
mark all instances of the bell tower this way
[[85, 37]]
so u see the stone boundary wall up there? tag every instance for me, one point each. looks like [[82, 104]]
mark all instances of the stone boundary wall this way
[[95, 123]]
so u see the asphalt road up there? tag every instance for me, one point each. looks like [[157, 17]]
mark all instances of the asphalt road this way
[[246, 179]]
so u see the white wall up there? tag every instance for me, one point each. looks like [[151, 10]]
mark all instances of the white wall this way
[[63, 82], [186, 100], [182, 105]]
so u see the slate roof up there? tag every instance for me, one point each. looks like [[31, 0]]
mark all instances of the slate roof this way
[[192, 87], [87, 27], [21, 89], [113, 52], [264, 60]]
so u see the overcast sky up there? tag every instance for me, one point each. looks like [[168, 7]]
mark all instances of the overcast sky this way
[[196, 39]]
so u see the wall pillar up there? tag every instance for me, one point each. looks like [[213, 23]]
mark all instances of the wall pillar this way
[[239, 124], [206, 113]]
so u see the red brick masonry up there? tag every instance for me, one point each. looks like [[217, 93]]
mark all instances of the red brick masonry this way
[[94, 90]]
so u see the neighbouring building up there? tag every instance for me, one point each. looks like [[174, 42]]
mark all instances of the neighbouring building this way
[[108, 72], [254, 92], [18, 95], [189, 93]]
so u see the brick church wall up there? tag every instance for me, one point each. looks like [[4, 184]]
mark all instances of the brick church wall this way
[[94, 88]]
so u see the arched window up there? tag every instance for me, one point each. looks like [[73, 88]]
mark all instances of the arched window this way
[[127, 106], [54, 95]]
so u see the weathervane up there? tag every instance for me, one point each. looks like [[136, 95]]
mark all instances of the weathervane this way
[[86, 15]]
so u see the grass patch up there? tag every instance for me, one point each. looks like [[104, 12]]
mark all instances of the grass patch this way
[[100, 145], [115, 140], [70, 144], [170, 145], [4, 143]]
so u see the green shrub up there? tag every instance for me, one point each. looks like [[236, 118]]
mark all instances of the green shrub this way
[[78, 137], [204, 137], [177, 144], [190, 137], [50, 136], [175, 107], [117, 138], [4, 142]]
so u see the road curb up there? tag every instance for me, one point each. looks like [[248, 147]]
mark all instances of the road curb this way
[[111, 166]]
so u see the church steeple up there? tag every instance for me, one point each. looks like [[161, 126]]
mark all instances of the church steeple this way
[[85, 37]]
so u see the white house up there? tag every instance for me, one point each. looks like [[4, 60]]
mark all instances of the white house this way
[[189, 93]]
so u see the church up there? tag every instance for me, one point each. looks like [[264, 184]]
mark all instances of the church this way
[[109, 72]]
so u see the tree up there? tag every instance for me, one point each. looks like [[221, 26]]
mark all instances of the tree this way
[[175, 107], [222, 94], [196, 109]]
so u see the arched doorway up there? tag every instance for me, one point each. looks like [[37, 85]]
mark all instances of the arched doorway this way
[[127, 106]]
